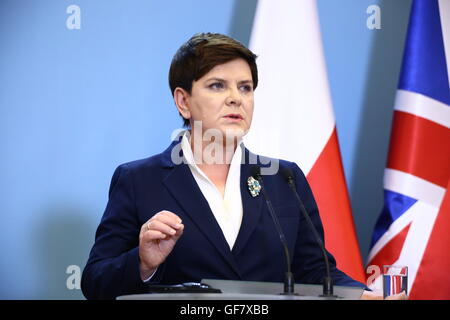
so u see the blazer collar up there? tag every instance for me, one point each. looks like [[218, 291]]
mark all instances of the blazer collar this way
[[173, 155], [252, 206]]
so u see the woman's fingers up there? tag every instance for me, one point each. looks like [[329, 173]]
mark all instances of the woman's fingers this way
[[165, 214], [152, 235], [163, 227], [165, 217]]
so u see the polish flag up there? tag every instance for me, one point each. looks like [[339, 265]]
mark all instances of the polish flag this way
[[294, 120]]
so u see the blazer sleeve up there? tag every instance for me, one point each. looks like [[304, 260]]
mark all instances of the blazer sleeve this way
[[308, 262], [113, 265]]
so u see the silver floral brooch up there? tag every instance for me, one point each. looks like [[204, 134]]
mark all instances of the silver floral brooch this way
[[253, 186]]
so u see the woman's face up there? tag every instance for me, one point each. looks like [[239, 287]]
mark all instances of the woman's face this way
[[223, 99]]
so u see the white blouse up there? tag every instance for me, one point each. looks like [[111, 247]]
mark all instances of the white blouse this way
[[227, 210]]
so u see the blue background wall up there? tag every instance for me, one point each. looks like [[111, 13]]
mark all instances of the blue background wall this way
[[74, 104]]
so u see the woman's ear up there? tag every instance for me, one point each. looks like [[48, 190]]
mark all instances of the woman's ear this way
[[180, 96]]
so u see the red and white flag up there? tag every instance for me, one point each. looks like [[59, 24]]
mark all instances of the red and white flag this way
[[294, 120]]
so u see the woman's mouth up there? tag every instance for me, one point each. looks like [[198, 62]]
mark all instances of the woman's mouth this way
[[234, 117]]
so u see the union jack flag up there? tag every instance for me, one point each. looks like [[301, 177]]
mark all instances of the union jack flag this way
[[413, 228]]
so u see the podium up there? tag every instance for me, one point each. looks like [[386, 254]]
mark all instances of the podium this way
[[252, 290]]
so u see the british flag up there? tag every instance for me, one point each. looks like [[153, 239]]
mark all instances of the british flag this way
[[413, 229]]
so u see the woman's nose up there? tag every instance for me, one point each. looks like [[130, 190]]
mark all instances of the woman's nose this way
[[234, 98]]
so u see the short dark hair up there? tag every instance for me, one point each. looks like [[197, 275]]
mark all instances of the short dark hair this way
[[201, 53]]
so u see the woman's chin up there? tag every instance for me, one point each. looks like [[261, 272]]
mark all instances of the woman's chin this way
[[234, 132]]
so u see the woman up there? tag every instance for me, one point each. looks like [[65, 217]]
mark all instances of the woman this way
[[193, 212]]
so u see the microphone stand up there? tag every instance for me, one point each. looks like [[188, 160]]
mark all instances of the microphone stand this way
[[289, 277], [327, 281]]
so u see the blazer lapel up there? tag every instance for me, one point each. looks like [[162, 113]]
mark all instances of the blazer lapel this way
[[252, 207], [184, 189]]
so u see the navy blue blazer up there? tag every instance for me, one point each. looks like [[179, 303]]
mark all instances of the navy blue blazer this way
[[141, 188]]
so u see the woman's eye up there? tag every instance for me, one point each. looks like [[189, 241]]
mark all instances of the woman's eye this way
[[247, 88], [216, 85]]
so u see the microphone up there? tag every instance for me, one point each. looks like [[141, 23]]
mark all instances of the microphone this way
[[327, 281], [289, 277]]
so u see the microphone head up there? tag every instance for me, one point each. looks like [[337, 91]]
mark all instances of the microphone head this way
[[287, 174], [255, 171]]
